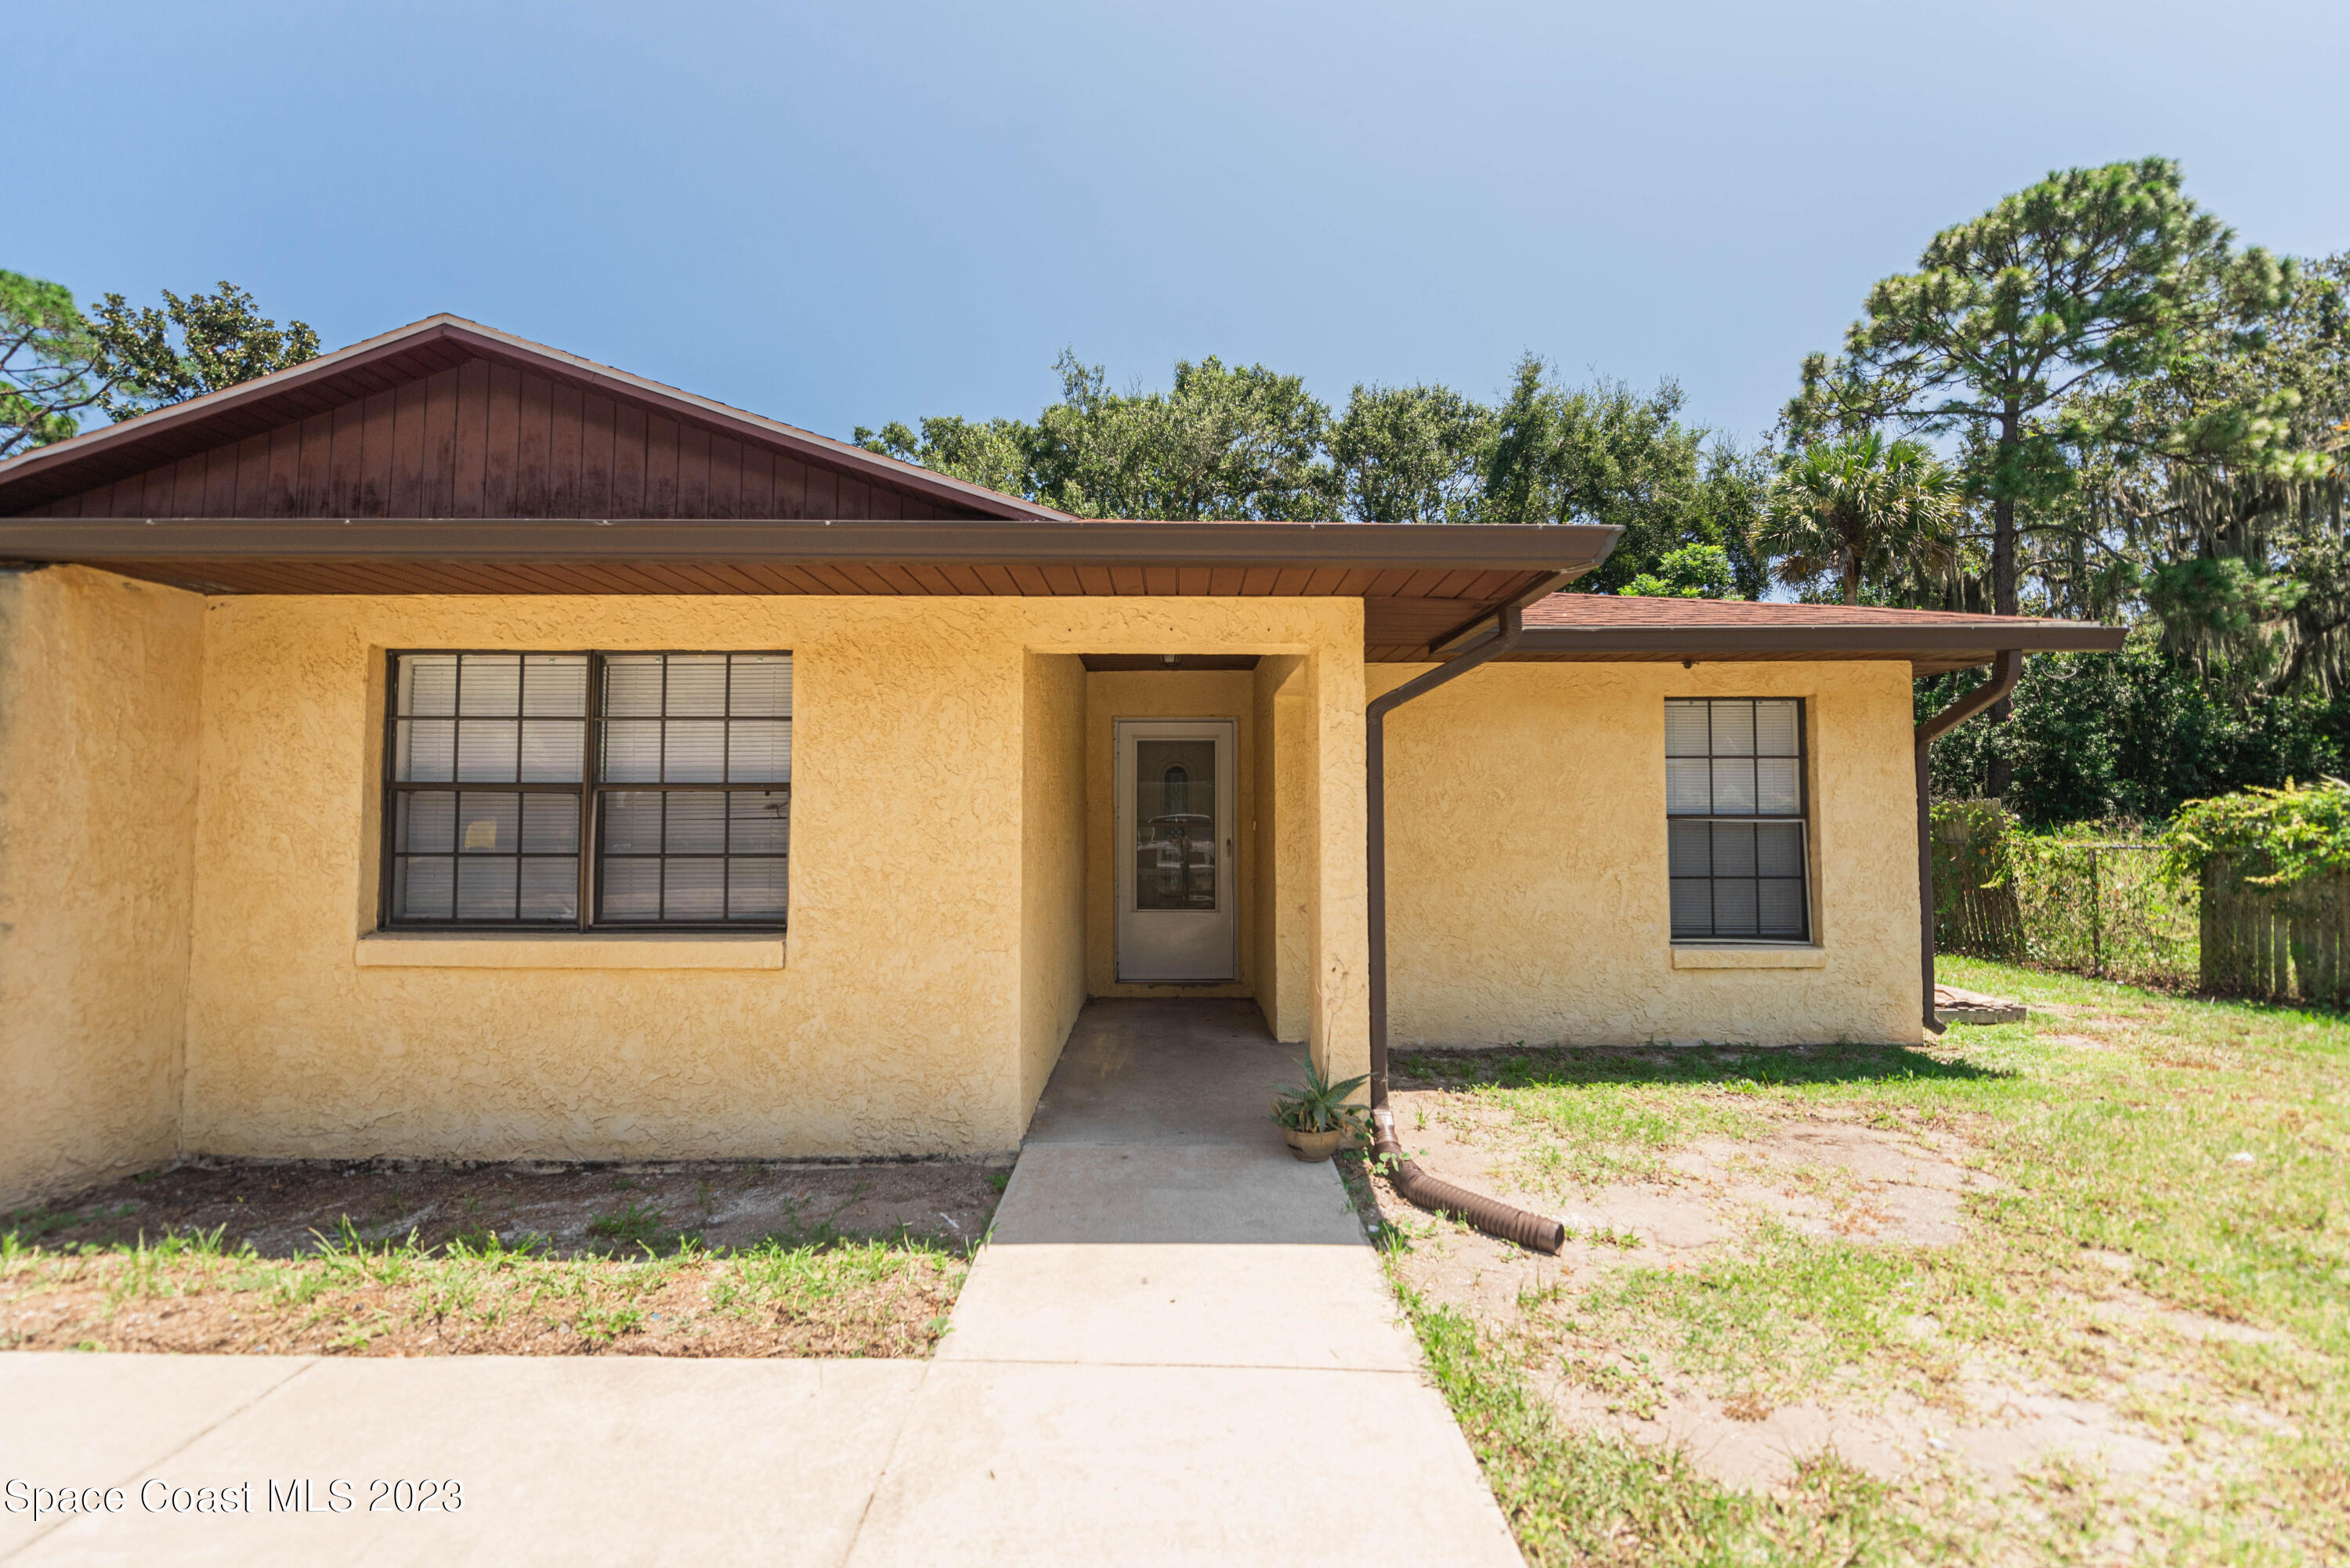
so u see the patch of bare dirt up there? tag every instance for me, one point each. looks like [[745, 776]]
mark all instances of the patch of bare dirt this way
[[1821, 1176], [1839, 1179], [2087, 1014], [2007, 1433], [2129, 1307], [284, 1208]]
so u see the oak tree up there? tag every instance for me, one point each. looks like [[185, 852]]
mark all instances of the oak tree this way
[[201, 344]]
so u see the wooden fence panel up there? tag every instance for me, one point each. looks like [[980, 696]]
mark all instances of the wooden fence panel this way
[[1975, 909], [2286, 943]]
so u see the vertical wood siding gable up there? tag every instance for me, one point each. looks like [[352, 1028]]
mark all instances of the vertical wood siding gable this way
[[485, 439], [404, 492], [438, 492], [564, 444], [534, 447]]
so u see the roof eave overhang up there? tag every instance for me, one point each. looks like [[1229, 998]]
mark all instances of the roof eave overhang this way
[[1929, 648], [1566, 550]]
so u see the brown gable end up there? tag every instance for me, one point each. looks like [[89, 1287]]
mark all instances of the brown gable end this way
[[480, 438]]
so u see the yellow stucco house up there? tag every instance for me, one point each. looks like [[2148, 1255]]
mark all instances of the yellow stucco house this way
[[454, 748]]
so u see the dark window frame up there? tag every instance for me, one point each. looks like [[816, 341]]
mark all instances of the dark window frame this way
[[1800, 816], [590, 788]]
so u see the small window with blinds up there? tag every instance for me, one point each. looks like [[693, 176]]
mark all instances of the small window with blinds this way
[[1735, 819], [585, 791]]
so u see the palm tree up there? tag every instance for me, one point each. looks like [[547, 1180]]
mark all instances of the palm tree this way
[[1861, 506]]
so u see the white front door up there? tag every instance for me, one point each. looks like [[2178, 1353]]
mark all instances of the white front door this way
[[1177, 908]]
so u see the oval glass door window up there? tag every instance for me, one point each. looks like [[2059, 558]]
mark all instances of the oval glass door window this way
[[1177, 908]]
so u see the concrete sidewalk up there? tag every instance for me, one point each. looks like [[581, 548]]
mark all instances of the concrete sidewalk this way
[[616, 1460], [1179, 1348]]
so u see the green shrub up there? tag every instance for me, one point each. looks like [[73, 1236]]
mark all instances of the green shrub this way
[[2278, 837], [2097, 737]]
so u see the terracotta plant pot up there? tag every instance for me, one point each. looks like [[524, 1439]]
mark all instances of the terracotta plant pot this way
[[1316, 1146]]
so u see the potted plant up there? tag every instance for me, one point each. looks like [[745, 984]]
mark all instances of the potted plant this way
[[1314, 1117]]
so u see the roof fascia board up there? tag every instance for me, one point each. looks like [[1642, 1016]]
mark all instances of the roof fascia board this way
[[981, 541], [1717, 642]]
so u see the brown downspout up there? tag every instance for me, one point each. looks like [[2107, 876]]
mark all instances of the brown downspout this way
[[1487, 1214], [2008, 665]]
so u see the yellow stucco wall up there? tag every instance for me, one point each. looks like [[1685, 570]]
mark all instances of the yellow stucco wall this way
[[1115, 694], [1338, 923], [1285, 847], [1052, 864], [99, 700], [1526, 859], [924, 972], [188, 852]]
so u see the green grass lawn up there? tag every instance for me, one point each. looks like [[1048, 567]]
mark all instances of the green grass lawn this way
[[2160, 1227], [821, 1294]]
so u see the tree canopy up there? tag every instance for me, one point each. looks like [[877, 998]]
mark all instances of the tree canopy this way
[[154, 358], [1691, 572], [57, 366], [2145, 420], [1861, 506], [2091, 278], [48, 376], [1250, 442]]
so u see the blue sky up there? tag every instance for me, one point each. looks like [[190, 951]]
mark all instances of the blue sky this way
[[840, 215]]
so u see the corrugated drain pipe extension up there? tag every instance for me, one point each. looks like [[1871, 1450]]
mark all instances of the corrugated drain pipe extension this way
[[2004, 672], [1487, 1214]]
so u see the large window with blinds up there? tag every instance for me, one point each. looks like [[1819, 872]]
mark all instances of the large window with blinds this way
[[587, 791], [1735, 819]]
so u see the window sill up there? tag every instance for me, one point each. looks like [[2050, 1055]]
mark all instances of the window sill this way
[[1728, 956], [499, 950]]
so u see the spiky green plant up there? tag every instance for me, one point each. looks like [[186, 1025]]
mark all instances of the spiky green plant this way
[[1318, 1104]]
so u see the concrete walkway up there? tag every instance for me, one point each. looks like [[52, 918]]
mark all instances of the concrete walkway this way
[[1178, 1349]]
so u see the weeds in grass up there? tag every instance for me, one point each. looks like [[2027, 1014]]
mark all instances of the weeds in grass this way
[[1577, 1497], [2201, 1142], [1575, 1120], [602, 1325], [1790, 1315], [636, 1225], [833, 1294]]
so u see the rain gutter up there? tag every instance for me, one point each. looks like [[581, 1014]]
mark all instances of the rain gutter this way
[[1489, 1215]]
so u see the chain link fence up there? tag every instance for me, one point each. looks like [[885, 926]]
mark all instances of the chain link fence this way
[[2093, 906], [2102, 906]]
